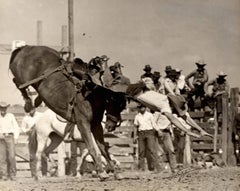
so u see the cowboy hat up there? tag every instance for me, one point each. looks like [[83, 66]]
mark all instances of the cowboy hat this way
[[4, 104], [200, 63], [147, 67], [221, 73], [168, 68]]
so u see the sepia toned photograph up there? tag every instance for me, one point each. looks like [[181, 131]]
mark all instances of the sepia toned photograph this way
[[120, 95]]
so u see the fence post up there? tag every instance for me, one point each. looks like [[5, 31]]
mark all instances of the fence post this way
[[224, 126], [234, 101], [61, 157]]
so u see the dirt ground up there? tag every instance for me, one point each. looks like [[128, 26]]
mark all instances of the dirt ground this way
[[193, 179]]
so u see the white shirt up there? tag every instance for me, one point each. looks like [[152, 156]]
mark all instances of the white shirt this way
[[181, 82], [144, 121], [29, 121], [8, 124]]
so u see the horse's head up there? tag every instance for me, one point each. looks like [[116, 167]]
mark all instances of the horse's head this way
[[115, 104]]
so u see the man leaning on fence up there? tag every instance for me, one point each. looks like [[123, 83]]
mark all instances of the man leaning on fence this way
[[9, 132]]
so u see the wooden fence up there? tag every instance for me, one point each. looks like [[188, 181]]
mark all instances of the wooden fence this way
[[121, 141]]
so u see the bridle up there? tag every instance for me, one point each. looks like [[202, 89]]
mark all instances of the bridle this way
[[114, 119]]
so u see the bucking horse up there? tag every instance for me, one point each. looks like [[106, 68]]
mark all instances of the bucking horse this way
[[76, 98]]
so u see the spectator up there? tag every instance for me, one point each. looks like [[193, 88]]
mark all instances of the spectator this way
[[9, 132], [165, 135], [145, 134], [168, 69], [181, 83], [148, 73], [118, 82], [27, 125], [220, 87], [178, 102], [156, 80], [199, 78]]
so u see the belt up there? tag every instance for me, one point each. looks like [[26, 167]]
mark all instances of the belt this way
[[7, 134]]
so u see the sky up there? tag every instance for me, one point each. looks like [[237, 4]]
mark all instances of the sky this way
[[132, 32]]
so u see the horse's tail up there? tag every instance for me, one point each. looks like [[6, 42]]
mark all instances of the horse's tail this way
[[33, 143]]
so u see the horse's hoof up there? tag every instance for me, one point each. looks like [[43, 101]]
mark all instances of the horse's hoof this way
[[103, 176], [118, 176], [35, 178]]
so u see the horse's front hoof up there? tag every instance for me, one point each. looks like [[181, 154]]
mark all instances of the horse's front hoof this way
[[118, 176], [103, 176], [35, 178]]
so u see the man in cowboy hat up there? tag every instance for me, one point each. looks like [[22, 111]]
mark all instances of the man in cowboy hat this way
[[199, 78], [148, 73], [9, 132], [220, 87]]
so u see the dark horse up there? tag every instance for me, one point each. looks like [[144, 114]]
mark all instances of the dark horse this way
[[78, 102]]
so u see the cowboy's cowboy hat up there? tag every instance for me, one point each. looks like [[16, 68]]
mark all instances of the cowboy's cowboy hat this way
[[147, 67], [200, 63], [168, 68], [221, 73], [4, 104]]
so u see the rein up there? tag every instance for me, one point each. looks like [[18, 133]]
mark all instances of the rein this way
[[43, 76]]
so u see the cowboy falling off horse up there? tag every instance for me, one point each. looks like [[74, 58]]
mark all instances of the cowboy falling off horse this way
[[81, 92]]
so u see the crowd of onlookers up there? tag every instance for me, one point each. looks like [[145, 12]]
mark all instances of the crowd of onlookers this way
[[193, 89]]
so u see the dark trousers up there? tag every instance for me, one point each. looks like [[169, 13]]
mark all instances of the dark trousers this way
[[179, 145], [166, 141], [73, 160], [7, 156], [147, 142]]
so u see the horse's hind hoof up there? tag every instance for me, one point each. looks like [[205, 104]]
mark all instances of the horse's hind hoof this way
[[118, 176], [103, 176]]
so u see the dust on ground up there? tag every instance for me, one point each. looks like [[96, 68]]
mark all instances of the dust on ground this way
[[189, 179]]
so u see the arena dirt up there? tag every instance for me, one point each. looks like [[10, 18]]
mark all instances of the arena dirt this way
[[189, 179]]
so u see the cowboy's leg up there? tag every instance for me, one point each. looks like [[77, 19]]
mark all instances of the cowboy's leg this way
[[141, 150], [151, 146], [168, 144], [11, 155], [3, 158]]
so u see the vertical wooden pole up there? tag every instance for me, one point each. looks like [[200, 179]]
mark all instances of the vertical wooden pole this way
[[39, 33], [64, 36], [224, 126], [187, 151], [234, 97], [70, 30], [61, 161], [215, 138]]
